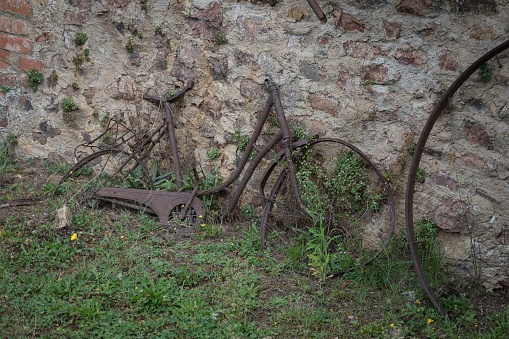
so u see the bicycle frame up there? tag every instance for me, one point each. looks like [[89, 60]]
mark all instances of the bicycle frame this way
[[284, 134], [151, 199]]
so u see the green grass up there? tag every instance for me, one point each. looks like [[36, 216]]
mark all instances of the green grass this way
[[127, 276]]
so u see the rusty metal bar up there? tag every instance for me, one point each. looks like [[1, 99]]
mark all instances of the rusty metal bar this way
[[318, 11], [250, 170], [409, 217], [287, 143]]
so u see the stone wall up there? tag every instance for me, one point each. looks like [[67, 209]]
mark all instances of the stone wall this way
[[371, 75]]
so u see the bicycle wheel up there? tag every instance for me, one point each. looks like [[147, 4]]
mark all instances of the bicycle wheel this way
[[457, 188], [347, 206], [108, 167]]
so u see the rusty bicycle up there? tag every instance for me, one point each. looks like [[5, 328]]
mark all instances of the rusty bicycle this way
[[310, 180]]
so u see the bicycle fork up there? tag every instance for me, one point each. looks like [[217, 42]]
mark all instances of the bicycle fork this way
[[286, 143]]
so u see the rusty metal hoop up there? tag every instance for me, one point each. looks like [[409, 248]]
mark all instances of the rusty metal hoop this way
[[329, 144], [409, 218]]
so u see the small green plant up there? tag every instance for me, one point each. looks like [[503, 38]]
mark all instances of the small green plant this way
[[430, 250], [129, 46], [300, 133], [68, 105], [213, 154], [80, 39], [35, 78], [426, 230], [248, 211], [273, 120], [95, 114], [221, 38], [143, 4], [7, 154], [411, 149], [134, 31], [4, 89], [12, 139], [86, 54], [77, 60], [75, 86], [104, 120], [158, 30], [421, 175], [242, 141], [390, 178], [485, 73]]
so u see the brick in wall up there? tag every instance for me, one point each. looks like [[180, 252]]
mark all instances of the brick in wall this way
[[14, 26], [21, 7], [27, 63], [16, 44]]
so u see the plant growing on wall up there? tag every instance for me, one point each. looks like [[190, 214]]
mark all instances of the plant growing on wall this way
[[485, 73], [129, 46], [80, 39], [69, 107], [221, 38], [35, 78]]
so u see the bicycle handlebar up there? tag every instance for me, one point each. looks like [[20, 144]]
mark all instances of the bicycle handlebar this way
[[173, 98]]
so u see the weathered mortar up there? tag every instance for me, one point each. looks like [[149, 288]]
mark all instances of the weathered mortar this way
[[370, 75]]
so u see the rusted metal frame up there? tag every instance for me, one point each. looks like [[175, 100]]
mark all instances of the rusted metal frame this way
[[173, 145], [183, 212], [142, 155], [98, 154], [247, 152], [269, 202], [262, 152], [268, 171], [287, 143], [83, 161], [171, 128], [109, 127], [161, 202], [318, 11], [409, 218]]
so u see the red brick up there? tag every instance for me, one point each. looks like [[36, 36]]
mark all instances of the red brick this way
[[15, 26], [8, 79], [15, 44], [366, 50], [4, 65], [324, 103], [27, 63], [4, 55], [21, 7], [349, 23]]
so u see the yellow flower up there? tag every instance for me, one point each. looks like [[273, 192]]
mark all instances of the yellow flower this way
[[121, 237], [200, 216], [203, 225], [429, 321], [417, 301], [74, 236], [391, 325], [70, 172]]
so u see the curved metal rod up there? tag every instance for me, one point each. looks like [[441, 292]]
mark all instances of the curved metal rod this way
[[442, 104]]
